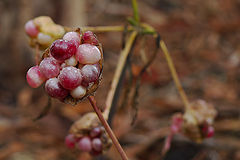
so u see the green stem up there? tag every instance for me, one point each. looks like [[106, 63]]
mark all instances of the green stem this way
[[174, 75], [135, 10], [101, 29]]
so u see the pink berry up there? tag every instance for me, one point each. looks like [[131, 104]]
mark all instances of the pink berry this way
[[31, 29], [63, 65], [95, 132], [71, 61], [90, 73], [34, 77], [208, 131], [49, 67], [54, 89], [78, 92], [70, 77], [176, 124], [44, 39], [73, 37], [97, 144], [62, 50], [84, 144], [88, 54], [90, 38], [70, 141]]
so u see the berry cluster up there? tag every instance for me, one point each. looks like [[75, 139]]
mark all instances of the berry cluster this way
[[197, 122], [91, 142], [88, 135], [206, 130], [43, 31], [71, 66]]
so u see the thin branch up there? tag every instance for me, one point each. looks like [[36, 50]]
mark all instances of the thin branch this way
[[174, 75], [124, 35], [107, 128], [120, 66], [147, 62], [101, 29], [149, 29], [135, 11]]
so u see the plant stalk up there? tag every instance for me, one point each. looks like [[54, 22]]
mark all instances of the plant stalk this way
[[107, 128], [121, 63], [102, 29], [174, 75], [135, 11]]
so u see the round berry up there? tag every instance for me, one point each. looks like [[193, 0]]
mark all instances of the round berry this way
[[63, 65], [34, 77], [54, 89], [70, 77], [90, 38], [176, 124], [84, 144], [44, 39], [49, 67], [62, 50], [95, 132], [73, 37], [70, 141], [97, 144], [31, 29], [208, 131], [78, 92], [88, 54], [90, 73], [71, 61]]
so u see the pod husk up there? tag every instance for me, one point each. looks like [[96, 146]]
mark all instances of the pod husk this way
[[85, 124], [201, 113]]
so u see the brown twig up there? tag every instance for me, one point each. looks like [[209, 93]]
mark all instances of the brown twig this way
[[107, 128], [147, 62]]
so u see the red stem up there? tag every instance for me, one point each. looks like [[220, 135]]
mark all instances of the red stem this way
[[107, 128]]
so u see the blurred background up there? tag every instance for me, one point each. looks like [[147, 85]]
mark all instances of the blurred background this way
[[203, 37]]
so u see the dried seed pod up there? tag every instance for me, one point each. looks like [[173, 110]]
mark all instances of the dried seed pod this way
[[106, 141], [200, 114], [47, 31], [42, 21], [84, 124], [89, 126], [89, 84], [203, 112]]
